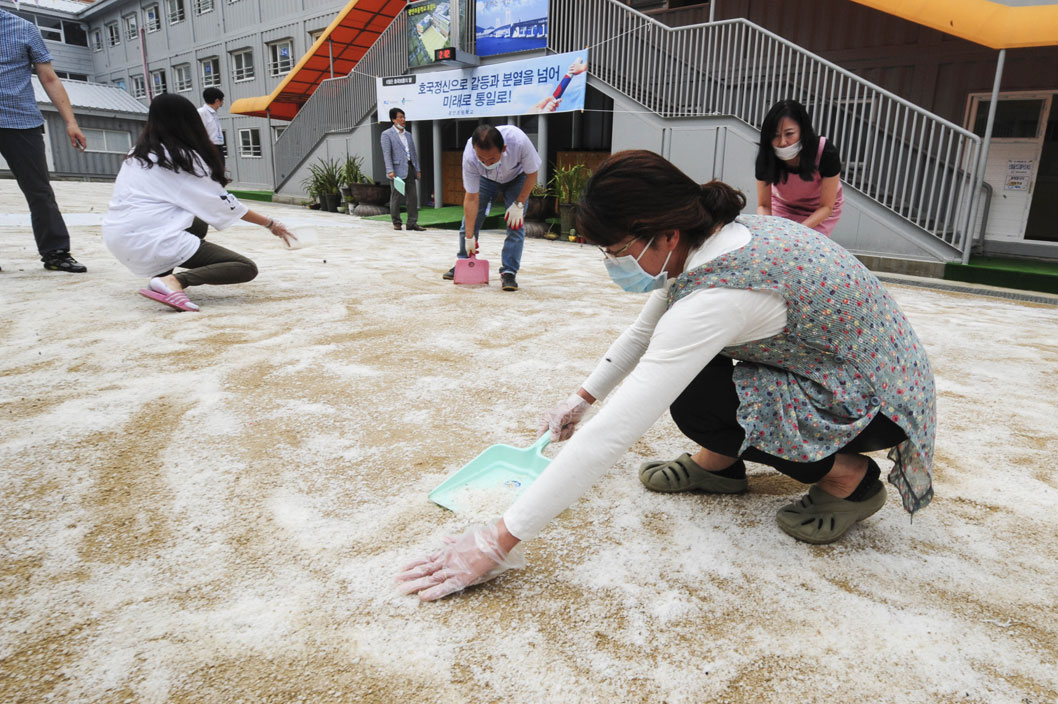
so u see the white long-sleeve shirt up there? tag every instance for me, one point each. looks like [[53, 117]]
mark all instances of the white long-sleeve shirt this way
[[151, 209], [660, 354], [212, 124]]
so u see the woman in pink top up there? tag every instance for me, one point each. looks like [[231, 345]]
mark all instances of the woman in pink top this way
[[798, 173]]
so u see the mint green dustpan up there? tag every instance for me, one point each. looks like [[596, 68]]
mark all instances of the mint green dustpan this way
[[498, 467]]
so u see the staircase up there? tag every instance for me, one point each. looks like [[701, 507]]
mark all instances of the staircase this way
[[907, 160]]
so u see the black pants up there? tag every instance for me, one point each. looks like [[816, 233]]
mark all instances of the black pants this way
[[705, 412], [213, 264], [24, 152]]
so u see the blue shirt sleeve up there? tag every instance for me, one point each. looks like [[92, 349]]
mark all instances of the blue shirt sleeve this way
[[38, 52]]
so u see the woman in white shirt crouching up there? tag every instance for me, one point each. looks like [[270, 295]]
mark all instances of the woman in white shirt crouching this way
[[170, 187]]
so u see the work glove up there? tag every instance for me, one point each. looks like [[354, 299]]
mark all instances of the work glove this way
[[280, 230], [562, 419], [514, 215], [472, 244], [465, 560]]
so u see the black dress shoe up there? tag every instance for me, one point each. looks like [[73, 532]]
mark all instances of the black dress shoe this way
[[396, 226], [417, 228]]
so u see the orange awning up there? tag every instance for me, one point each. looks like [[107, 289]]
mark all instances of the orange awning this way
[[355, 29], [992, 23]]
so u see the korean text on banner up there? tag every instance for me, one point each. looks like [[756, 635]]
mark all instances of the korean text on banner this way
[[555, 83]]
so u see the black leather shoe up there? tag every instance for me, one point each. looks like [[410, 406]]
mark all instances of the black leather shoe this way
[[507, 282], [449, 275], [60, 260], [417, 228], [396, 226]]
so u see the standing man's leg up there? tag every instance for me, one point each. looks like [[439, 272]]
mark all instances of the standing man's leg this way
[[411, 193], [24, 152], [486, 192], [394, 205], [512, 246]]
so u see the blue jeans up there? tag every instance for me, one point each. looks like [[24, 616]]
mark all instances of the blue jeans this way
[[511, 259]]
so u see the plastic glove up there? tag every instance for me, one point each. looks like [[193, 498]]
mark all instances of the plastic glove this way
[[280, 230], [471, 558], [471, 244], [562, 419], [514, 215]]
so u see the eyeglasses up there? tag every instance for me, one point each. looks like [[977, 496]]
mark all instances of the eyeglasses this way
[[614, 255]]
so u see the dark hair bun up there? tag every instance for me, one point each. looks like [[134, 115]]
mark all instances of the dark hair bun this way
[[722, 201]]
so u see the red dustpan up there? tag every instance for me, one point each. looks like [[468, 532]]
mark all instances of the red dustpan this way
[[471, 271]]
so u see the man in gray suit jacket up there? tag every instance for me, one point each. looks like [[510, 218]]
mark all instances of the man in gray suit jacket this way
[[398, 150]]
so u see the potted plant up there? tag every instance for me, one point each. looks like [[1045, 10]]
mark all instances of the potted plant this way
[[538, 208], [568, 183], [352, 174], [325, 182]]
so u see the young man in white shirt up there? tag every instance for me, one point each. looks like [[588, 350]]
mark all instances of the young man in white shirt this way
[[213, 99]]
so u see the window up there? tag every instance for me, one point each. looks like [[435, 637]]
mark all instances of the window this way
[[50, 28], [158, 85], [315, 34], [109, 141], [210, 71], [242, 65], [120, 83], [224, 146], [72, 76], [203, 6], [277, 132], [175, 10], [139, 87], [131, 30], [250, 142], [183, 77], [113, 34], [154, 18], [280, 57], [1015, 118], [74, 33], [97, 39]]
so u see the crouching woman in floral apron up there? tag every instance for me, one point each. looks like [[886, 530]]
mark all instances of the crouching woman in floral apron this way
[[767, 342]]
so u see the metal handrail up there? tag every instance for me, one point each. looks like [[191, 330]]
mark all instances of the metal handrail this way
[[917, 164], [340, 104]]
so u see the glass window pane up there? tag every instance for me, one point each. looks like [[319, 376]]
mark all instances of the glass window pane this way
[[1015, 119]]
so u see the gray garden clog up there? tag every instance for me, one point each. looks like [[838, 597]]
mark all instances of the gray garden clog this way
[[682, 474], [820, 518]]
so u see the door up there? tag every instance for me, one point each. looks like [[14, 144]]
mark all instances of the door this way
[[1013, 158], [1043, 213]]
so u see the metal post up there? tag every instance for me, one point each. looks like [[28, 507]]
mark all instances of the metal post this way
[[437, 186], [541, 147], [982, 159], [330, 54], [271, 145], [712, 10]]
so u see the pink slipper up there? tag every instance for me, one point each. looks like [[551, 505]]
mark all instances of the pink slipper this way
[[176, 299]]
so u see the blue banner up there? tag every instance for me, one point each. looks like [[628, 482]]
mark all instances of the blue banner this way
[[555, 83], [505, 26]]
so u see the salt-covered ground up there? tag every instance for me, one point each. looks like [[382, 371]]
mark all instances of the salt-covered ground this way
[[211, 507]]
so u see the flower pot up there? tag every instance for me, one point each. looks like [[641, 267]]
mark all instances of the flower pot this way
[[370, 193], [330, 202], [567, 214]]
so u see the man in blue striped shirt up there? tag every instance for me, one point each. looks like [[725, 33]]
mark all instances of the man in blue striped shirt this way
[[22, 51]]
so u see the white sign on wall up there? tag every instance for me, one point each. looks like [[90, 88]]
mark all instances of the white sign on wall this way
[[555, 83], [1019, 175]]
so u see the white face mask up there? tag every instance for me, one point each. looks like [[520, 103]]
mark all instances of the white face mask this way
[[787, 153], [629, 275], [489, 167]]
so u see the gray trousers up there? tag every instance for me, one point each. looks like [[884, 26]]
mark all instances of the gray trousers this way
[[24, 152], [411, 194]]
